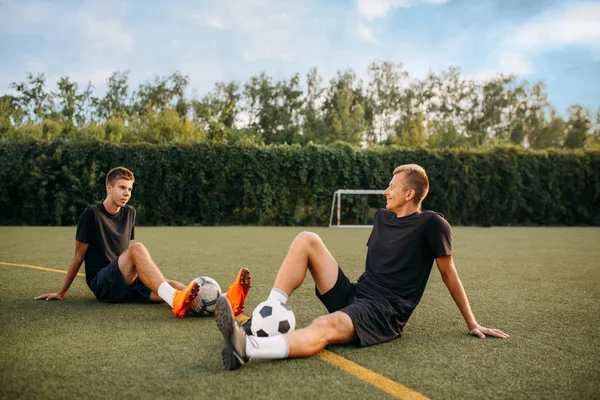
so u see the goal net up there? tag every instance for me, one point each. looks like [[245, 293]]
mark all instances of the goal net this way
[[359, 209]]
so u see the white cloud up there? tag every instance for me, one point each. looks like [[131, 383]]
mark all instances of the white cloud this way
[[106, 37], [504, 63], [35, 66], [23, 17], [211, 21], [365, 33], [267, 30], [577, 25], [552, 31], [372, 9], [95, 76], [91, 36]]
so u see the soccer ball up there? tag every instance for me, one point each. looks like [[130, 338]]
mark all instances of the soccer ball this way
[[272, 318], [206, 301]]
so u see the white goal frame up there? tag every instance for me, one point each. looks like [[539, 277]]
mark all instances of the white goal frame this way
[[338, 195]]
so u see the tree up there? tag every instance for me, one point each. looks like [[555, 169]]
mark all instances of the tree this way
[[535, 120], [72, 106], [414, 135], [313, 124], [578, 126], [274, 108], [385, 103], [162, 94], [11, 115], [343, 109], [217, 111], [487, 116], [33, 98], [114, 102], [551, 134], [447, 100], [291, 103], [443, 110], [594, 138]]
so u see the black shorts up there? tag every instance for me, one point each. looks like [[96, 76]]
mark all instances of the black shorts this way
[[109, 286], [375, 320]]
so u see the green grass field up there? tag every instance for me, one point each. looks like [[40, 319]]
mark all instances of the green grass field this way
[[541, 285]]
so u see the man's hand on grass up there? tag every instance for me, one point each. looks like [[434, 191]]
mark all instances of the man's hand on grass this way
[[50, 296], [482, 331]]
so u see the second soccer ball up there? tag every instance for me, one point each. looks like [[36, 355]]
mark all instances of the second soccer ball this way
[[206, 301]]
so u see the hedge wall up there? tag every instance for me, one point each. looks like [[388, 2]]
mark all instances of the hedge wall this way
[[212, 184]]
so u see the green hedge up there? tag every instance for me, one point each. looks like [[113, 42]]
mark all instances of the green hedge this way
[[213, 184]]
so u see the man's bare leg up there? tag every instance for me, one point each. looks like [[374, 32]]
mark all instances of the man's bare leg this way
[[155, 298], [239, 347], [307, 253], [334, 328], [136, 262]]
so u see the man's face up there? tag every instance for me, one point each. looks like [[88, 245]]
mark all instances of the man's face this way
[[120, 193], [395, 194]]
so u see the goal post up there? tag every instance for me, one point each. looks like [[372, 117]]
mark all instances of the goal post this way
[[337, 197]]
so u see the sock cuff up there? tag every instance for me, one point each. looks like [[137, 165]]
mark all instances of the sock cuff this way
[[166, 292], [279, 295], [272, 347], [287, 347]]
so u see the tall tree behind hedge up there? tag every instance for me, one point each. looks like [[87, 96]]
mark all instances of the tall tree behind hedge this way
[[443, 110]]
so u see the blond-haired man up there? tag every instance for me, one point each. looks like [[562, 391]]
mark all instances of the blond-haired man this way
[[116, 272], [403, 244]]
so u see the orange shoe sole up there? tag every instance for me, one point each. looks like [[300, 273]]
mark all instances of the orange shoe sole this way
[[237, 292], [182, 299]]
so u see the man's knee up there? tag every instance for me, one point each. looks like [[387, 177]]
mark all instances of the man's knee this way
[[335, 327], [136, 251], [324, 323], [308, 239], [138, 247]]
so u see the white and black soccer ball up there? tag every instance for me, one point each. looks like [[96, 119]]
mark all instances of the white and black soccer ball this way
[[272, 318], [206, 301]]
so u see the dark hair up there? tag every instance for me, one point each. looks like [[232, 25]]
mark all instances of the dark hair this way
[[118, 173]]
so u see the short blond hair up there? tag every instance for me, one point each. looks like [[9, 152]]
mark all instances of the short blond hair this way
[[415, 178]]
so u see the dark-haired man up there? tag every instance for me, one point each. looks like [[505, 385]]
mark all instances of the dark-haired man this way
[[116, 272]]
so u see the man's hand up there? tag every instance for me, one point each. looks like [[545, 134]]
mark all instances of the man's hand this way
[[50, 296], [481, 331]]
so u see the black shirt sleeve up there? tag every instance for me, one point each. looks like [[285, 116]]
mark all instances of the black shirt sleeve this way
[[85, 227], [133, 224], [372, 229], [439, 236]]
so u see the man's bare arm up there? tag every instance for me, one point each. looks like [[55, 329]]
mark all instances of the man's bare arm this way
[[450, 277], [80, 250]]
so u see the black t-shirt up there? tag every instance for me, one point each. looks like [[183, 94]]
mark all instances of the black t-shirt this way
[[400, 256], [108, 236]]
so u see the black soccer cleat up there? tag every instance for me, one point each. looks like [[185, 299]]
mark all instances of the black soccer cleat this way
[[247, 326], [234, 349]]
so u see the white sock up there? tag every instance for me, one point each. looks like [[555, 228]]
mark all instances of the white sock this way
[[267, 347], [279, 295], [166, 292]]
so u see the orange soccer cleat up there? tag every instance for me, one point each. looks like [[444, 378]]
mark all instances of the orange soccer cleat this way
[[182, 299], [237, 292]]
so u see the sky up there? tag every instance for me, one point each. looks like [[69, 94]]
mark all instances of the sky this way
[[211, 41]]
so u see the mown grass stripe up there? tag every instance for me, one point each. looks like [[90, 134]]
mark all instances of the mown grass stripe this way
[[381, 382], [37, 267]]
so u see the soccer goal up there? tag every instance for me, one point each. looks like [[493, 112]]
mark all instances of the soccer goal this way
[[337, 197]]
